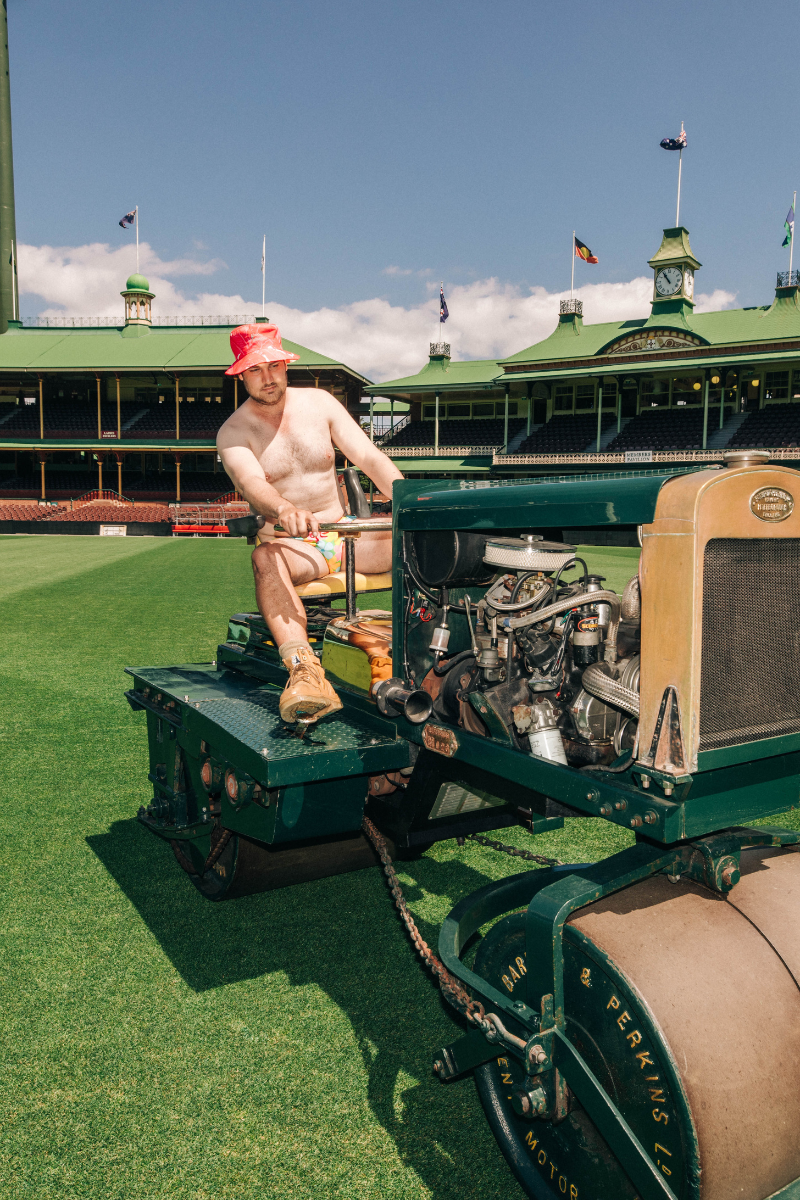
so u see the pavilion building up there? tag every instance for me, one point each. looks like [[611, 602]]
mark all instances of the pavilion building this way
[[133, 407], [676, 386]]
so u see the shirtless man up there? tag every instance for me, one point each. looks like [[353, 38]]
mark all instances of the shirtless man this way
[[278, 448]]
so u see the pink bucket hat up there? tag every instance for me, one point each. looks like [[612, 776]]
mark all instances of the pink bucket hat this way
[[252, 344]]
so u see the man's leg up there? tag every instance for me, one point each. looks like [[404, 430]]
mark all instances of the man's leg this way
[[373, 553], [277, 567]]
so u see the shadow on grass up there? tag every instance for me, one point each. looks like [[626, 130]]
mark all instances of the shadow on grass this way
[[343, 935]]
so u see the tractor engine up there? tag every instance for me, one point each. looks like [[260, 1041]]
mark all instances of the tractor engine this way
[[553, 665]]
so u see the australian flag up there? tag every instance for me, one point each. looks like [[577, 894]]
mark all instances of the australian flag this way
[[677, 143], [443, 313], [128, 219]]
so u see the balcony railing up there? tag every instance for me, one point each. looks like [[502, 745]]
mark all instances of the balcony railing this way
[[784, 279], [115, 320]]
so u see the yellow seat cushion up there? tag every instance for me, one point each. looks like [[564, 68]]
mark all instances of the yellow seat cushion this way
[[335, 584]]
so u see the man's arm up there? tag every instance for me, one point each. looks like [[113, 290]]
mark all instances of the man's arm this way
[[247, 474], [356, 446]]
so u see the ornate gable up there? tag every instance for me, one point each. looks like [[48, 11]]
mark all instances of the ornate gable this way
[[655, 340]]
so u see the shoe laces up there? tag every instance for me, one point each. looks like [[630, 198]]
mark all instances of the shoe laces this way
[[305, 672]]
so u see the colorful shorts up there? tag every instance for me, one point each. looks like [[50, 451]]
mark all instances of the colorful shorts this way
[[330, 545]]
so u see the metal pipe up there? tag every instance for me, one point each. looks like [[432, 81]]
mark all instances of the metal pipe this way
[[350, 576], [631, 608], [119, 418], [611, 691], [561, 606], [8, 221]]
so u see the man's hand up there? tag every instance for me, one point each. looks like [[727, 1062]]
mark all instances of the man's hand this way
[[297, 521]]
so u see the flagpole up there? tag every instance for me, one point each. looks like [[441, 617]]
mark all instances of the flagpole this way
[[137, 239], [680, 164], [263, 274], [791, 243], [572, 283]]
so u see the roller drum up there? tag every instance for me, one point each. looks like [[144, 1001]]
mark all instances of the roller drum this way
[[686, 1006], [246, 867]]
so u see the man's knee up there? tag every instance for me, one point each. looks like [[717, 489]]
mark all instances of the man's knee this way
[[264, 558]]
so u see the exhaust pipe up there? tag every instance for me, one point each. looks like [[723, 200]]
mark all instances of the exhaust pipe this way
[[394, 698]]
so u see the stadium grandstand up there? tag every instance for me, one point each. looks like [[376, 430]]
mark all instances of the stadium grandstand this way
[[674, 386], [136, 405]]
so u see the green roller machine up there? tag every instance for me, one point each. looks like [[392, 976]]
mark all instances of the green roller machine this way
[[633, 1025]]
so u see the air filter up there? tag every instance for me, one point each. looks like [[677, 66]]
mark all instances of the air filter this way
[[527, 553]]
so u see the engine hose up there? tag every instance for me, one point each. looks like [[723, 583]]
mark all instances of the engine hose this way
[[617, 770], [568, 602], [611, 691], [632, 600], [443, 667]]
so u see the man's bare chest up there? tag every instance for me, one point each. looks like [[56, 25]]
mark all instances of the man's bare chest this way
[[296, 447]]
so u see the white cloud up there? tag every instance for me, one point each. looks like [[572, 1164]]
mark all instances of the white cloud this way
[[489, 319]]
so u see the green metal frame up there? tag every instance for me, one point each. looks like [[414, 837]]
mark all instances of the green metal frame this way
[[551, 896]]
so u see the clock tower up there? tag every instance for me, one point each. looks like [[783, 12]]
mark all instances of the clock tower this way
[[673, 266]]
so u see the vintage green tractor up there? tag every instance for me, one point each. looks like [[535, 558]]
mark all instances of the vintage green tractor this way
[[633, 1025]]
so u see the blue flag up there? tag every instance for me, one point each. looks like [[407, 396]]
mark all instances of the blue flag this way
[[788, 225], [128, 219], [443, 313], [676, 143]]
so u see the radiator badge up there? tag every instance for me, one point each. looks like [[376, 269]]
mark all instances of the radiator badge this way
[[442, 741], [772, 504]]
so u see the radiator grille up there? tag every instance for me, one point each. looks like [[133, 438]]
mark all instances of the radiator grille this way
[[750, 665]]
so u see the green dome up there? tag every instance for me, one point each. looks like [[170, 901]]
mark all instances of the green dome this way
[[137, 283]]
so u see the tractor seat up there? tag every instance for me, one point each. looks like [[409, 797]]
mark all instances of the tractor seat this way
[[331, 585]]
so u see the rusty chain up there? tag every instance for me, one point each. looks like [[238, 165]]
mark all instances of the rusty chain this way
[[216, 851], [528, 855], [451, 988]]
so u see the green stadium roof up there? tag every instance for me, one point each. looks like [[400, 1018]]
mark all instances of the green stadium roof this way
[[136, 348], [441, 374], [746, 327]]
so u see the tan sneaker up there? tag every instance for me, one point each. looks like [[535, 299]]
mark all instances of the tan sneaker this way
[[308, 695]]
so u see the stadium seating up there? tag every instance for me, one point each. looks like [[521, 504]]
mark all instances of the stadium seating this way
[[777, 425], [198, 421], [482, 431], [113, 514], [675, 429], [78, 419], [29, 512], [205, 484], [564, 435]]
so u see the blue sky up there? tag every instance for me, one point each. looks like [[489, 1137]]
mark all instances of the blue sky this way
[[456, 141]]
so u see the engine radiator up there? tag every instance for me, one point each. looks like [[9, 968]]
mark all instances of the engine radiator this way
[[720, 573]]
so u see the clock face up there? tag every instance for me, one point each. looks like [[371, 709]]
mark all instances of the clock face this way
[[688, 284], [668, 281]]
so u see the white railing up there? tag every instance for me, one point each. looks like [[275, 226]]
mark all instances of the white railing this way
[[398, 425], [658, 456], [443, 452], [114, 321]]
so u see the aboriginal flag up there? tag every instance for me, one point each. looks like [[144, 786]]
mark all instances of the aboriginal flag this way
[[582, 251]]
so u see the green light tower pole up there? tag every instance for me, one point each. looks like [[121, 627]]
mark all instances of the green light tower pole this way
[[9, 296]]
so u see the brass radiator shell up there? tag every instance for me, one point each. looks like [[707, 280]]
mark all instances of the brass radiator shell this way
[[690, 512]]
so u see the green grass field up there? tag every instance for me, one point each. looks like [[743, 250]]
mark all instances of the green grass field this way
[[156, 1045]]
